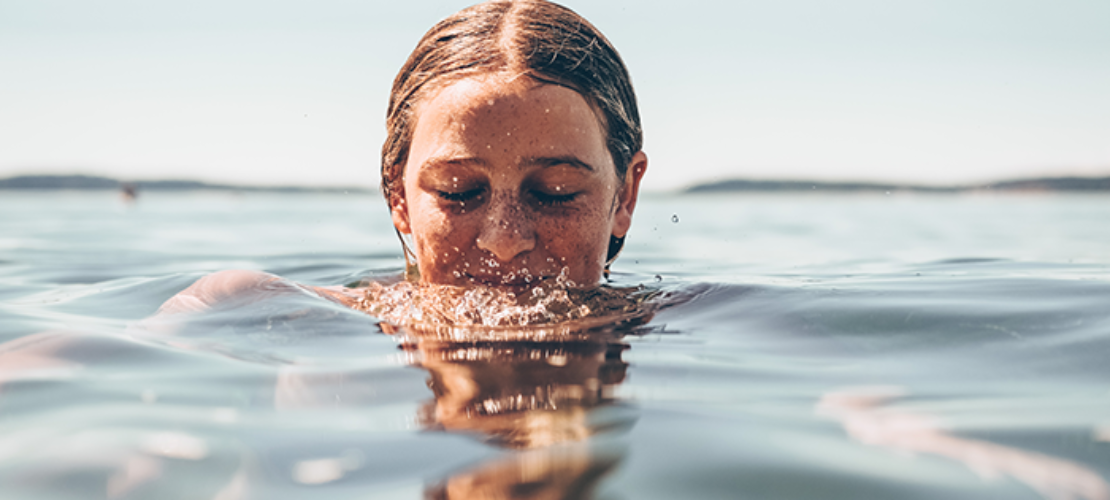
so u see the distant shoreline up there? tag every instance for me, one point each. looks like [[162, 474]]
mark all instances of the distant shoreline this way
[[95, 183], [1038, 184]]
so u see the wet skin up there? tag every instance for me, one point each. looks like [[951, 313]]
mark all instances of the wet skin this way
[[509, 181]]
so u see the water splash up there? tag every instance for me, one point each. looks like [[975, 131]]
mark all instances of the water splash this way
[[555, 307]]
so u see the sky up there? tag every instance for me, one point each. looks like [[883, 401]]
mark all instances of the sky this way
[[281, 92]]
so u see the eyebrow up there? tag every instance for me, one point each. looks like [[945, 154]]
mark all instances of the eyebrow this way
[[551, 161], [438, 162], [537, 161]]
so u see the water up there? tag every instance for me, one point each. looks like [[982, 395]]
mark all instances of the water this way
[[812, 347]]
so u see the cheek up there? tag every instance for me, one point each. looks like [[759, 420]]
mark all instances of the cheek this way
[[579, 243], [441, 238]]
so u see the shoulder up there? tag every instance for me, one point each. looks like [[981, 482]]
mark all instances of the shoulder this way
[[239, 287], [227, 288]]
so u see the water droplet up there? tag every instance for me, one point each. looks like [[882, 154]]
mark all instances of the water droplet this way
[[674, 218]]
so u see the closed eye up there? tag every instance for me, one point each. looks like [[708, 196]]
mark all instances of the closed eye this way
[[467, 195], [549, 199]]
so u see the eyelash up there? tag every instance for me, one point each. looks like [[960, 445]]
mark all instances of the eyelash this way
[[548, 199], [461, 196], [545, 199]]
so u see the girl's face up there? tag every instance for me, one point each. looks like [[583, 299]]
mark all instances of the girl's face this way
[[508, 182]]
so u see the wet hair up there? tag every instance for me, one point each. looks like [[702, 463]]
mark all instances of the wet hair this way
[[541, 40]]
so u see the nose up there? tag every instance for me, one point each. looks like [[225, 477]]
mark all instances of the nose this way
[[507, 231]]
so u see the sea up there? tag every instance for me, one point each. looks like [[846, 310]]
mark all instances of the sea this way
[[804, 346]]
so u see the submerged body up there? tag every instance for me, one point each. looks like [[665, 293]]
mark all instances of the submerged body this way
[[400, 303]]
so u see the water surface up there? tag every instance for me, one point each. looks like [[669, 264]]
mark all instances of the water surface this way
[[871, 346]]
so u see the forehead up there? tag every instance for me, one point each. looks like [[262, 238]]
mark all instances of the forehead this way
[[495, 115]]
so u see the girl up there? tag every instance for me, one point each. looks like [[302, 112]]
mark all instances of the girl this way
[[513, 160]]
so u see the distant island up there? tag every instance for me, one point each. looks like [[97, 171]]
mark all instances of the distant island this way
[[93, 183], [1040, 184]]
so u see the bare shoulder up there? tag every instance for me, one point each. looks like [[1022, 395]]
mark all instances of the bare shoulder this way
[[237, 287], [226, 290], [222, 288]]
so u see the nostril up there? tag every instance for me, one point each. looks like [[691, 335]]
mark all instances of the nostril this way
[[505, 244]]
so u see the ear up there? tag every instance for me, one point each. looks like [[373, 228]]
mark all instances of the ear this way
[[399, 209], [626, 197]]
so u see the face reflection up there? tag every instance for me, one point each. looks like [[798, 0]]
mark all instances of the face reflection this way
[[508, 182], [549, 399]]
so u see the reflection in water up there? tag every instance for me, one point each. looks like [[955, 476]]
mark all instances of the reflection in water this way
[[551, 404], [546, 398], [570, 472], [867, 418], [534, 373], [520, 395]]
